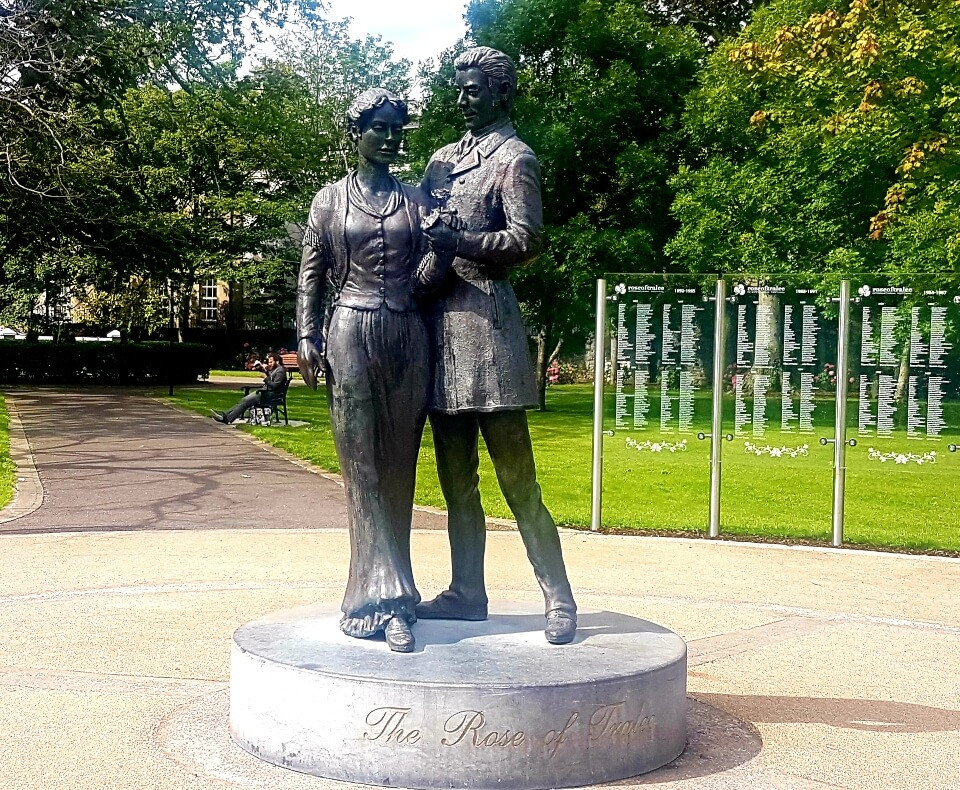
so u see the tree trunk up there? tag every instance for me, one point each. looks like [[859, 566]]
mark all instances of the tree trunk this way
[[183, 312], [171, 311], [543, 362], [46, 305], [186, 304], [770, 304], [903, 375], [542, 370]]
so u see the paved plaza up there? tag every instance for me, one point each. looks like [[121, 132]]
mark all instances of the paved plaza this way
[[142, 536]]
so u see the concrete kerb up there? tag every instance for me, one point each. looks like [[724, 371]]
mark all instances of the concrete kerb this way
[[28, 496]]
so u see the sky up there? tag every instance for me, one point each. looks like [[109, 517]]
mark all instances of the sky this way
[[418, 29]]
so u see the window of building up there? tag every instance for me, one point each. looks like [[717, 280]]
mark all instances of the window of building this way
[[209, 303]]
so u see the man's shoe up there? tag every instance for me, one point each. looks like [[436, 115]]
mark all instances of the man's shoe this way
[[450, 606], [219, 416], [399, 636], [561, 627]]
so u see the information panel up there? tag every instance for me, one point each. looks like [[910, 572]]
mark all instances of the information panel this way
[[776, 343], [779, 404], [905, 377], [659, 398], [903, 371]]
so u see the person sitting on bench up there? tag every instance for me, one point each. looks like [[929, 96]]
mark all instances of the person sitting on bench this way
[[275, 379]]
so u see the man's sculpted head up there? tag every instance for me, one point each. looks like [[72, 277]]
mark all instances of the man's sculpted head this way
[[500, 76]]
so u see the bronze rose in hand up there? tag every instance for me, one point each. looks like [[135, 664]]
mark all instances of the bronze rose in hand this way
[[443, 230]]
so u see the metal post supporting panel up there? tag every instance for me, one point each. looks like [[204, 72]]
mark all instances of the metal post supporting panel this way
[[716, 428], [599, 347], [840, 436]]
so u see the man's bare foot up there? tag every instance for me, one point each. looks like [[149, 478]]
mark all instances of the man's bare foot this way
[[451, 606]]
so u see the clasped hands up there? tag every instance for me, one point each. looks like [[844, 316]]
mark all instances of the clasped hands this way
[[443, 229]]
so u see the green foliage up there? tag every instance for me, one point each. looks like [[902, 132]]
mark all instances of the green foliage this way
[[713, 20], [71, 208], [824, 137], [60, 55], [321, 70], [66, 66], [135, 305], [440, 121], [124, 181], [24, 362]]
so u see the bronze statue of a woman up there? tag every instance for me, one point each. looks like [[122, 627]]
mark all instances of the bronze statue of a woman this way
[[364, 242]]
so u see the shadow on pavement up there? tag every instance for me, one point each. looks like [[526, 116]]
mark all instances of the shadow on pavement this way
[[854, 714]]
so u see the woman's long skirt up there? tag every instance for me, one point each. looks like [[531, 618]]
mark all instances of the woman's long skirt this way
[[377, 378]]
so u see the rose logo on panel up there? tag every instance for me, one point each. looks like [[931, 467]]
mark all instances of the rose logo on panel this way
[[620, 288], [740, 289], [864, 291]]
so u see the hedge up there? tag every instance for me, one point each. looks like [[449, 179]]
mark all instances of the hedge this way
[[102, 363]]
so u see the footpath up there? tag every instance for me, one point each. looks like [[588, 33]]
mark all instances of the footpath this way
[[143, 536]]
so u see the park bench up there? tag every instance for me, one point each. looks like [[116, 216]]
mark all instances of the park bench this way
[[275, 401]]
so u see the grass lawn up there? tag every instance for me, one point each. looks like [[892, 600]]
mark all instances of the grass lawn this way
[[903, 506], [8, 472]]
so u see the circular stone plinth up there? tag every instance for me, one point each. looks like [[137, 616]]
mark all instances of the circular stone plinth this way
[[477, 705]]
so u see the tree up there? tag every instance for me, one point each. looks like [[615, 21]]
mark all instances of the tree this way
[[335, 69], [289, 138], [56, 55], [68, 193], [600, 93], [713, 20], [824, 138], [159, 164]]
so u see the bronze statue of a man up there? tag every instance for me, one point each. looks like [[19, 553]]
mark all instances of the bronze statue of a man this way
[[483, 375]]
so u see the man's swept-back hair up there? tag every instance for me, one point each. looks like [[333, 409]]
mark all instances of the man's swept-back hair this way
[[370, 100], [497, 68]]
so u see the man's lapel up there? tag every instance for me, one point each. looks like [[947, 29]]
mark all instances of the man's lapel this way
[[485, 146], [491, 142], [470, 161]]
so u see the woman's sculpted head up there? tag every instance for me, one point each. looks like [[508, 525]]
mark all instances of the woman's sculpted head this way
[[375, 122]]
